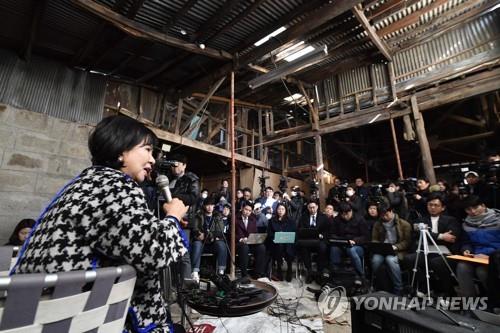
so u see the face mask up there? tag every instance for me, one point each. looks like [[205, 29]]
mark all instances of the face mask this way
[[349, 193], [268, 216], [204, 195], [294, 193]]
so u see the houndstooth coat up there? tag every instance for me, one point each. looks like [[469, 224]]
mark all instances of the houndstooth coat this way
[[103, 217]]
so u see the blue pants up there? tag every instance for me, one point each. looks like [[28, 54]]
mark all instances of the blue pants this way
[[392, 263], [356, 254], [219, 246]]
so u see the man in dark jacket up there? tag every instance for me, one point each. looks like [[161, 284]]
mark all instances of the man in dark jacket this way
[[208, 236], [246, 225], [353, 229], [444, 230], [294, 204], [318, 221]]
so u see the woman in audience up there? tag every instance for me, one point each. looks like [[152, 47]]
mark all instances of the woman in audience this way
[[21, 232], [100, 218], [281, 223], [481, 237]]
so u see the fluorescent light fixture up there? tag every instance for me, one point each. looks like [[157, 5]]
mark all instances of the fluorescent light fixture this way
[[272, 34], [300, 53], [289, 51], [292, 98], [375, 118], [165, 147]]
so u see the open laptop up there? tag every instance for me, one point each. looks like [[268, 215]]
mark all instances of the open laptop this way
[[444, 249], [384, 249], [256, 238], [308, 234], [284, 237]]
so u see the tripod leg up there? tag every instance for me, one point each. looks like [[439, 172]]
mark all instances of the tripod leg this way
[[426, 252], [444, 259], [419, 247]]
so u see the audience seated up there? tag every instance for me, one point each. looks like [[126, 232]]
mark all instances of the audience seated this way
[[21, 232], [208, 236], [317, 221], [354, 229], [281, 223], [393, 230], [481, 237], [245, 225]]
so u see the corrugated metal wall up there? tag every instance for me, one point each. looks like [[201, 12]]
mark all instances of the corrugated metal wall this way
[[50, 88], [470, 39]]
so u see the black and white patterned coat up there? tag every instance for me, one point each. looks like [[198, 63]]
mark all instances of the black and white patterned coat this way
[[103, 217]]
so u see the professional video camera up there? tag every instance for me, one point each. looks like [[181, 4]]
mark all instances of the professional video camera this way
[[162, 165], [490, 171], [409, 186], [377, 190], [283, 184], [262, 183]]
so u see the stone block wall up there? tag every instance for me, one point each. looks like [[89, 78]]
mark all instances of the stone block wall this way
[[38, 155]]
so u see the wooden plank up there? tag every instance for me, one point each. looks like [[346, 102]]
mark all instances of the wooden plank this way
[[38, 9], [261, 136], [237, 102], [466, 138], [374, 84], [178, 118], [313, 114], [320, 167], [140, 30], [423, 142], [202, 104], [372, 34], [396, 149], [392, 80], [468, 121]]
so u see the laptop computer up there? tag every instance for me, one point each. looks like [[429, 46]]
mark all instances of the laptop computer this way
[[284, 237], [308, 234], [444, 249], [256, 238], [384, 249]]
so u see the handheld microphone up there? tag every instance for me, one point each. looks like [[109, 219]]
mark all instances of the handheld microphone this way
[[163, 184]]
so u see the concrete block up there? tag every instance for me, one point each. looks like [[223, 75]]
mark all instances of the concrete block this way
[[67, 166], [61, 129], [30, 120], [22, 203], [50, 184], [17, 181], [35, 142], [80, 133], [13, 160], [7, 137], [4, 112], [72, 149]]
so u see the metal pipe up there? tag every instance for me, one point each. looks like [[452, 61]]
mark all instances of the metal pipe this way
[[233, 178], [396, 148]]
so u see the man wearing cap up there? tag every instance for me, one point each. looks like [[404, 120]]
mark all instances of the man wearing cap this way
[[476, 186]]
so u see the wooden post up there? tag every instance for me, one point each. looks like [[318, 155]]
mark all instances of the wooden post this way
[[252, 143], [233, 181], [261, 136], [396, 148], [228, 125], [178, 118], [422, 141], [282, 146], [321, 167], [244, 124], [339, 89], [374, 84], [392, 80], [327, 98]]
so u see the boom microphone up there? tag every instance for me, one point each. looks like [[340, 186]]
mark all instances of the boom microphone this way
[[163, 185]]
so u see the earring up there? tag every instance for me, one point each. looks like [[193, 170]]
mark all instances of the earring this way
[[120, 158]]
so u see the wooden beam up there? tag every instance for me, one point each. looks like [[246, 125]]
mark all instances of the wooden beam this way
[[466, 138], [237, 102], [381, 46], [320, 167], [423, 142], [261, 136], [213, 132], [207, 27], [178, 118], [313, 114], [162, 68], [179, 15], [392, 80], [140, 30], [396, 149], [38, 9], [203, 102], [468, 121], [410, 19]]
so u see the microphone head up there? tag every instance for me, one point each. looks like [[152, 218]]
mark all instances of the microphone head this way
[[162, 181]]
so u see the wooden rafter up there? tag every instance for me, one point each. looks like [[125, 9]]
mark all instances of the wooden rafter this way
[[410, 19], [381, 46], [237, 102], [236, 20], [162, 68], [207, 27], [38, 8], [179, 15], [140, 30], [313, 112]]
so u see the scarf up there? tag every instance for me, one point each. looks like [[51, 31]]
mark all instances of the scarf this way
[[489, 219], [391, 234]]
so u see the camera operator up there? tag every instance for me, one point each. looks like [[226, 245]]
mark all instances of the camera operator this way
[[294, 204], [477, 186], [334, 196], [185, 186], [420, 197], [397, 200]]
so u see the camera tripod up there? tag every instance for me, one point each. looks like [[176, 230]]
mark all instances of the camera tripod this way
[[423, 246]]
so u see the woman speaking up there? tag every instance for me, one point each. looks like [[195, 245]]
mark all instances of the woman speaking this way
[[100, 218]]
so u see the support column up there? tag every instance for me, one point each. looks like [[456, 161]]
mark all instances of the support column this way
[[396, 149], [233, 180], [320, 164], [423, 142]]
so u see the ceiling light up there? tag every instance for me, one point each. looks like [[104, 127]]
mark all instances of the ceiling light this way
[[183, 32], [292, 98], [300, 53], [272, 34], [289, 51]]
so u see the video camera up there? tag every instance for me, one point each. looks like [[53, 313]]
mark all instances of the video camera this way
[[162, 165], [490, 171]]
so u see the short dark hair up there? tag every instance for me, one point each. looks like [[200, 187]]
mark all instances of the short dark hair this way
[[247, 189], [425, 179], [115, 135], [344, 207], [24, 223], [383, 207], [269, 188], [178, 157], [437, 196], [312, 201], [247, 203], [472, 201]]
